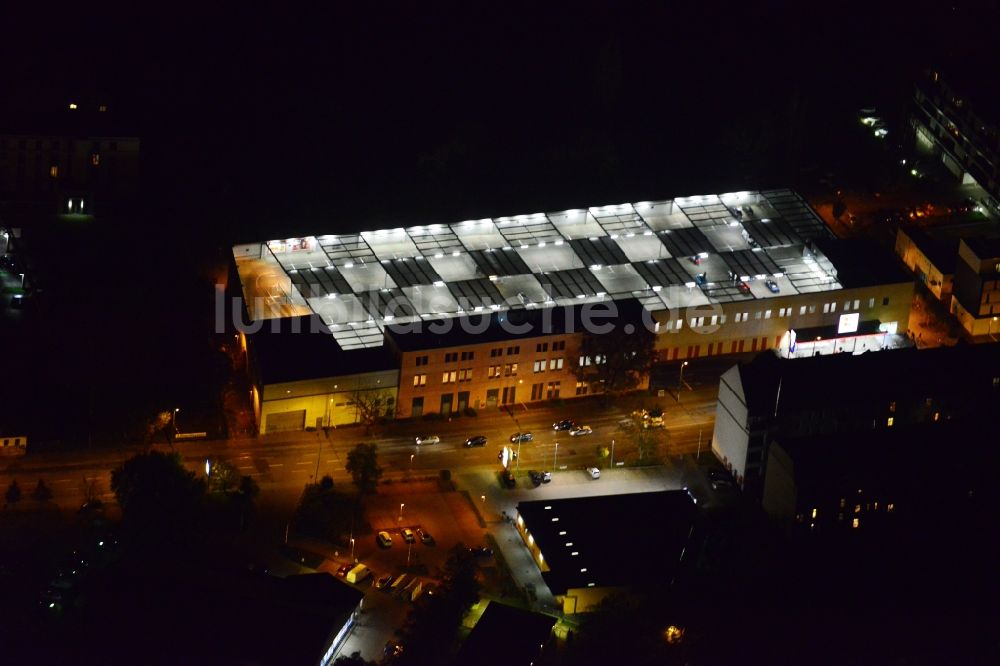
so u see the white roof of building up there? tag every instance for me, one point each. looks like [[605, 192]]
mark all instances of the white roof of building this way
[[667, 254]]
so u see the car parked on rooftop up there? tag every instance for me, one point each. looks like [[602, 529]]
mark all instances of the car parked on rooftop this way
[[772, 286]]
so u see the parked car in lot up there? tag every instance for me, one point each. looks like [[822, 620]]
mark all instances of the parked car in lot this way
[[565, 424], [772, 286], [478, 440], [343, 569], [538, 478], [408, 536], [384, 539], [581, 430], [383, 582], [520, 437], [426, 537], [481, 551], [594, 472], [427, 439], [508, 478]]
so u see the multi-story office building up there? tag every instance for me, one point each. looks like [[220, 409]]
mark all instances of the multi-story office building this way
[[71, 161], [962, 132], [783, 400], [709, 275], [976, 301]]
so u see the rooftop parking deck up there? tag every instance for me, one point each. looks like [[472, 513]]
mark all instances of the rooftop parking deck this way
[[669, 254]]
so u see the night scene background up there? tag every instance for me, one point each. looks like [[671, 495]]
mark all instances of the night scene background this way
[[158, 519]]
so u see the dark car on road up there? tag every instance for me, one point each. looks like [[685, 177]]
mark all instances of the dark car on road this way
[[482, 551], [565, 424], [519, 437], [478, 440]]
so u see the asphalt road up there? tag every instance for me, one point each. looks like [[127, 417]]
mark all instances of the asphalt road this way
[[282, 464]]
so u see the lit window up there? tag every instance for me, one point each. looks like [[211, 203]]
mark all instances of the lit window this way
[[72, 106], [54, 171], [937, 415], [814, 514], [802, 310], [102, 108], [767, 314], [842, 502], [892, 407], [857, 508], [855, 523], [889, 421]]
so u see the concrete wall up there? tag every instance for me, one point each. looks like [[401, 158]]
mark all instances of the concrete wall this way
[[764, 325], [779, 498], [731, 436], [938, 283], [326, 402]]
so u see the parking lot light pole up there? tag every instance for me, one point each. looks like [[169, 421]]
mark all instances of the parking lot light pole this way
[[680, 380], [517, 459], [555, 456], [352, 550], [401, 512], [612, 454]]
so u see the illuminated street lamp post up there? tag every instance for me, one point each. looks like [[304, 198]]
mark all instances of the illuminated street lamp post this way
[[401, 512], [991, 328], [555, 457], [612, 454], [352, 549], [680, 380]]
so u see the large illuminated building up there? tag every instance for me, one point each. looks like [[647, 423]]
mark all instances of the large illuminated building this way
[[711, 275]]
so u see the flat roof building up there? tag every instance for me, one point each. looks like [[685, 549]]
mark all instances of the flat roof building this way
[[710, 275], [962, 132], [773, 399], [976, 302], [506, 636], [581, 544]]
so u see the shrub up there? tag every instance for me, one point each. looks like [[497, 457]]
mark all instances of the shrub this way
[[445, 475], [433, 416], [469, 411]]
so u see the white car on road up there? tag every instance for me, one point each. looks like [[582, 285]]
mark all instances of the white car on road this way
[[580, 430], [594, 472], [428, 439]]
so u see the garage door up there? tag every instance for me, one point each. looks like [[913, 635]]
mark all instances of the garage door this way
[[282, 421]]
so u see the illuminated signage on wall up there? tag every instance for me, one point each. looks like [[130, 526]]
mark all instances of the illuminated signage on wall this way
[[848, 323]]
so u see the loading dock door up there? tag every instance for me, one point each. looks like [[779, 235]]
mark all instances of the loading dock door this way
[[284, 421]]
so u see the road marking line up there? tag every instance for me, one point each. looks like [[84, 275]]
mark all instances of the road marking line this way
[[330, 461], [62, 480], [246, 467], [308, 462], [277, 464]]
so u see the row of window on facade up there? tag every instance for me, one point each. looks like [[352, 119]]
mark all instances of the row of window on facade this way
[[22, 144], [455, 357], [718, 320], [506, 370]]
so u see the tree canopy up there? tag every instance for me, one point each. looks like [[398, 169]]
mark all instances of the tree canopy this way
[[617, 360], [155, 490], [362, 463]]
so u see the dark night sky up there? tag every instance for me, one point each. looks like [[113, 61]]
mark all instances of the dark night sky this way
[[415, 111]]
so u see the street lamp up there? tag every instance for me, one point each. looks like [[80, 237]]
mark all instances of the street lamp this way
[[401, 512], [352, 549], [612, 454], [555, 456], [173, 419], [680, 380]]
